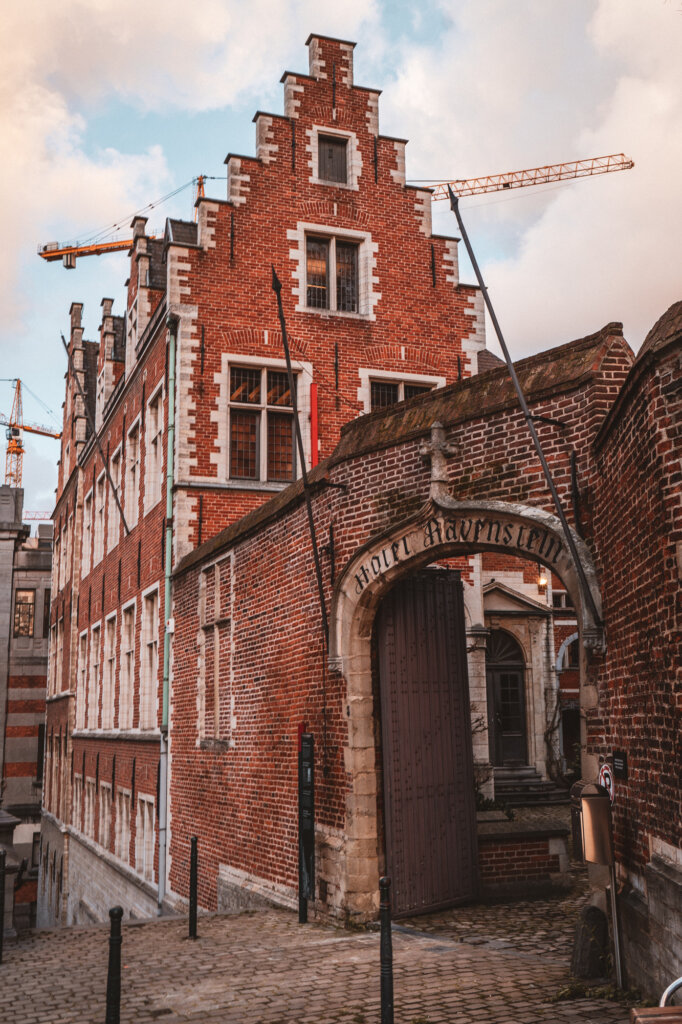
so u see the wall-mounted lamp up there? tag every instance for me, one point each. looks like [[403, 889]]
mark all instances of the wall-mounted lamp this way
[[542, 576]]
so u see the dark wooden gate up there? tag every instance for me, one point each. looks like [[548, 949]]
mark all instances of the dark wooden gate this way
[[429, 806]]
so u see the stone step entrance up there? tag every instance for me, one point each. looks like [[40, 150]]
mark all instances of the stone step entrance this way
[[523, 786]]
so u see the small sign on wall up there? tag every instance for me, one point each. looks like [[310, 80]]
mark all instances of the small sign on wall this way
[[620, 764]]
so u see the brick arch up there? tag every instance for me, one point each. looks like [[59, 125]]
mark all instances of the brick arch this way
[[443, 528]]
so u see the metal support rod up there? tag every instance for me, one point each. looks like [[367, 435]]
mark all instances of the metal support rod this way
[[584, 585], [277, 288], [91, 424], [3, 863], [616, 929], [386, 951], [193, 881], [114, 974]]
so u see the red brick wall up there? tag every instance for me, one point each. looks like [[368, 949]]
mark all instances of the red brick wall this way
[[512, 859]]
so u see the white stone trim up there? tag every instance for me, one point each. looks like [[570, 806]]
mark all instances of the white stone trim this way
[[206, 224], [422, 209], [398, 172], [368, 281], [353, 155], [237, 183], [372, 114], [266, 147], [475, 342], [220, 416], [451, 262], [291, 103]]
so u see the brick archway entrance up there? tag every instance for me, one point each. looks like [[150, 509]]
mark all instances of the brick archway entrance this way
[[442, 529]]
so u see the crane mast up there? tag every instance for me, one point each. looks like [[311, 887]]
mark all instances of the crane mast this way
[[14, 457]]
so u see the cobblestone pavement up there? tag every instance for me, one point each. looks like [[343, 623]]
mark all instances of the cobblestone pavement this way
[[498, 965]]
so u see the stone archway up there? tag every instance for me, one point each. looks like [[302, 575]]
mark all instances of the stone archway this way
[[443, 528]]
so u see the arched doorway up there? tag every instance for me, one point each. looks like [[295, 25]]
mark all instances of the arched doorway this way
[[505, 679], [428, 785]]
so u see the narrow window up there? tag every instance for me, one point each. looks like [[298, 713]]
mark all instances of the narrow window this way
[[317, 272], [346, 277], [125, 697], [46, 612], [24, 612], [332, 158], [245, 385], [122, 837], [113, 515], [144, 838], [150, 663], [81, 682], [104, 815], [412, 390], [133, 476], [87, 533], [153, 457], [99, 520], [93, 681], [109, 673], [384, 393], [280, 442]]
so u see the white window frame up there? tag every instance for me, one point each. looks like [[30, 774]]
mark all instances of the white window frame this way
[[113, 515], [149, 660], [77, 804], [89, 802], [131, 337], [99, 523], [133, 469], [94, 669], [104, 823], [59, 672], [367, 374], [82, 679], [126, 673], [368, 293], [109, 673], [145, 822], [123, 818], [86, 554], [353, 157], [153, 469], [69, 545], [303, 372]]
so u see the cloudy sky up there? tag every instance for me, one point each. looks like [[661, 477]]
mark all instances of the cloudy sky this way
[[108, 105]]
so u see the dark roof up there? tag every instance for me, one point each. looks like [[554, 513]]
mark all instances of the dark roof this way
[[542, 376], [487, 360], [90, 356], [157, 267], [184, 232], [666, 329], [549, 373], [330, 39]]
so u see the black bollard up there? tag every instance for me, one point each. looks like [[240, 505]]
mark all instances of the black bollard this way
[[114, 975], [386, 951], [193, 888], [3, 857]]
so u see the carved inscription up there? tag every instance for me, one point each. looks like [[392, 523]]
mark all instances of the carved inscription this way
[[526, 541]]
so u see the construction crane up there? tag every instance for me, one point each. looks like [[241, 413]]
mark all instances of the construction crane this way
[[15, 446], [535, 176], [462, 187], [69, 253]]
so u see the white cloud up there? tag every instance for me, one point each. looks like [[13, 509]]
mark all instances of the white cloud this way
[[517, 85]]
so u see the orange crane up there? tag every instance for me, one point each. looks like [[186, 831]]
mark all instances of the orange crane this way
[[15, 446], [462, 187]]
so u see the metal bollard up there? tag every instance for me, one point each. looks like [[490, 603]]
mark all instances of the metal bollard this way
[[3, 858], [386, 951], [114, 975], [193, 858]]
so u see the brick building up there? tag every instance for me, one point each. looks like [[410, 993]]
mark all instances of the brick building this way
[[24, 619], [157, 732]]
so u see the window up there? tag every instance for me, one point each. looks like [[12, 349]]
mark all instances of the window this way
[[153, 478], [41, 754], [56, 561], [46, 612], [77, 801], [562, 599], [69, 546], [99, 520], [215, 642], [24, 612], [104, 833], [81, 681], [261, 425], [63, 555], [109, 674], [133, 476], [386, 392], [89, 808], [332, 158], [93, 678], [125, 697], [332, 274], [571, 659], [59, 666], [149, 669], [87, 533], [122, 837], [144, 837], [113, 515]]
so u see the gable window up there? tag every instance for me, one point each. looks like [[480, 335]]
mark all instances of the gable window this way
[[261, 425], [332, 155], [24, 612], [332, 274], [386, 392]]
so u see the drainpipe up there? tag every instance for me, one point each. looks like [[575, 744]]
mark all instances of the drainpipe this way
[[172, 324]]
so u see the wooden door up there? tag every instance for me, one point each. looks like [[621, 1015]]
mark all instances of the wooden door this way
[[506, 700], [429, 805]]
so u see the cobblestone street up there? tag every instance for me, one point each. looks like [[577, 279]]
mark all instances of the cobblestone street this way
[[499, 965]]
